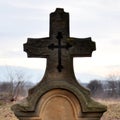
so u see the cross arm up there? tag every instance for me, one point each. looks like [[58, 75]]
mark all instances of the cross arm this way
[[37, 47], [82, 47]]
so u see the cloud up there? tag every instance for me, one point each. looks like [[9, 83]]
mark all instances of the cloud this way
[[35, 63], [87, 77], [33, 75], [27, 18], [11, 54]]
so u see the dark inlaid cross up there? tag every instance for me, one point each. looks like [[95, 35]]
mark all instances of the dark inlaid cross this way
[[59, 48]]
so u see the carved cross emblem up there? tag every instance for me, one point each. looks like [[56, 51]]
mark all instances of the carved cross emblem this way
[[59, 46]]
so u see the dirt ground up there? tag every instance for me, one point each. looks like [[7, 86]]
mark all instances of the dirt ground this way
[[5, 112], [113, 112], [113, 109]]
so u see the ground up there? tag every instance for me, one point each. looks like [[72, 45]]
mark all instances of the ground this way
[[5, 111], [113, 112], [113, 109]]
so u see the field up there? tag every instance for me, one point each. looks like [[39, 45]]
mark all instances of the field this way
[[113, 109], [5, 111], [113, 112]]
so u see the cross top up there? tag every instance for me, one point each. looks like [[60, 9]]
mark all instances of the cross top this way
[[59, 22], [59, 48]]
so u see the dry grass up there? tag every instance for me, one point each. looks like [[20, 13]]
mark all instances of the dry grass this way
[[5, 111], [113, 109], [113, 112]]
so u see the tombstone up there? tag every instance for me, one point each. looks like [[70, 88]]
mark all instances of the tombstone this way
[[59, 96]]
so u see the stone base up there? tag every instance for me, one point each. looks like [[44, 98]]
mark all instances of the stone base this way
[[58, 100]]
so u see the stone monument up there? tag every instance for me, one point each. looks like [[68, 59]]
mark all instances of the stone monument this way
[[59, 96]]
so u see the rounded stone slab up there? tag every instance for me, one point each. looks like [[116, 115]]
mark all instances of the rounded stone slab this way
[[28, 109]]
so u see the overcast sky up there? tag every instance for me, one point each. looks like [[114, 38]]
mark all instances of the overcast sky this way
[[99, 19]]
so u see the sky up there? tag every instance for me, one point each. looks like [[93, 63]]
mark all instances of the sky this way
[[99, 19]]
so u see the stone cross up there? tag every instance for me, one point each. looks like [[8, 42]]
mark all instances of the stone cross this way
[[59, 48], [58, 96]]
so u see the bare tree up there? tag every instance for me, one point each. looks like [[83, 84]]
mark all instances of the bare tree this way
[[118, 87], [18, 85], [96, 88], [113, 85], [15, 85]]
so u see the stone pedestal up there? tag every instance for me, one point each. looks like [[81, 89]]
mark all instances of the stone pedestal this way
[[58, 100], [59, 96]]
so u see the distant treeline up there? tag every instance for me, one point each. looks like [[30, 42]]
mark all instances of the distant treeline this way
[[17, 87], [105, 89]]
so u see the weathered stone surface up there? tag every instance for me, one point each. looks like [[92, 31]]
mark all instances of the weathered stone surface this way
[[59, 104], [59, 95]]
